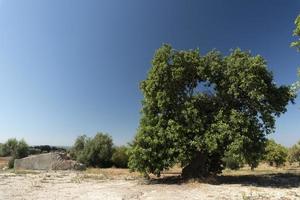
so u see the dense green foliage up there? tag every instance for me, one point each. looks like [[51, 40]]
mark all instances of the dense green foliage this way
[[9, 147], [77, 150], [275, 153], [294, 153], [200, 107], [120, 157], [96, 152], [3, 152], [22, 149], [14, 148]]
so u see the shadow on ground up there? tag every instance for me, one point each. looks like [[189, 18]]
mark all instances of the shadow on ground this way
[[275, 180]]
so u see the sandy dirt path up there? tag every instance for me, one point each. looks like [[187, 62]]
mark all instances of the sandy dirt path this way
[[77, 185]]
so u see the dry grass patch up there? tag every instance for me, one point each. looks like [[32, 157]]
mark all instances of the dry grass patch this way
[[111, 173], [263, 176], [263, 169]]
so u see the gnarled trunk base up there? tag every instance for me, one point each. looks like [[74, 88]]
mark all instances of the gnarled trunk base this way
[[198, 167]]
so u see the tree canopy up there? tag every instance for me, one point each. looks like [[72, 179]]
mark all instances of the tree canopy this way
[[297, 33], [197, 108], [96, 151], [14, 148], [296, 86]]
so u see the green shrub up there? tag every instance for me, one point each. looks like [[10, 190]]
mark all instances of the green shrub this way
[[120, 157], [96, 152]]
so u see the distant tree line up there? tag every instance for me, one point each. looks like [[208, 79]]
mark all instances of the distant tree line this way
[[274, 154], [45, 149]]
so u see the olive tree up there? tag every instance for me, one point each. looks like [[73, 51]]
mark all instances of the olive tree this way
[[294, 154], [9, 147], [15, 149], [96, 151], [77, 150], [275, 153], [196, 108]]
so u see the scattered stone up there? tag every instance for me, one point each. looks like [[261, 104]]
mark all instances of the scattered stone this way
[[47, 161]]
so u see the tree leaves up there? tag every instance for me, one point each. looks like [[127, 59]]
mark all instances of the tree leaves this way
[[297, 33]]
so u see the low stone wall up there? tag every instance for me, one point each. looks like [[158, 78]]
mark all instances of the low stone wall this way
[[47, 161]]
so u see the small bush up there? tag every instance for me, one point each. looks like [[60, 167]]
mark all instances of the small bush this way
[[120, 157]]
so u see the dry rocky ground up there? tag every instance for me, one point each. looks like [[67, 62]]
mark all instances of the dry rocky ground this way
[[119, 184]]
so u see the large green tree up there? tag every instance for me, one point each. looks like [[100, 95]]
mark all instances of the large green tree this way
[[198, 108]]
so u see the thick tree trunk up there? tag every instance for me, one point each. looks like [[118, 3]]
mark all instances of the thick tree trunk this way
[[197, 168]]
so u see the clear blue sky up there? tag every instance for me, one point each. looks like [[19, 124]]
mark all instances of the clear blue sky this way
[[70, 67]]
